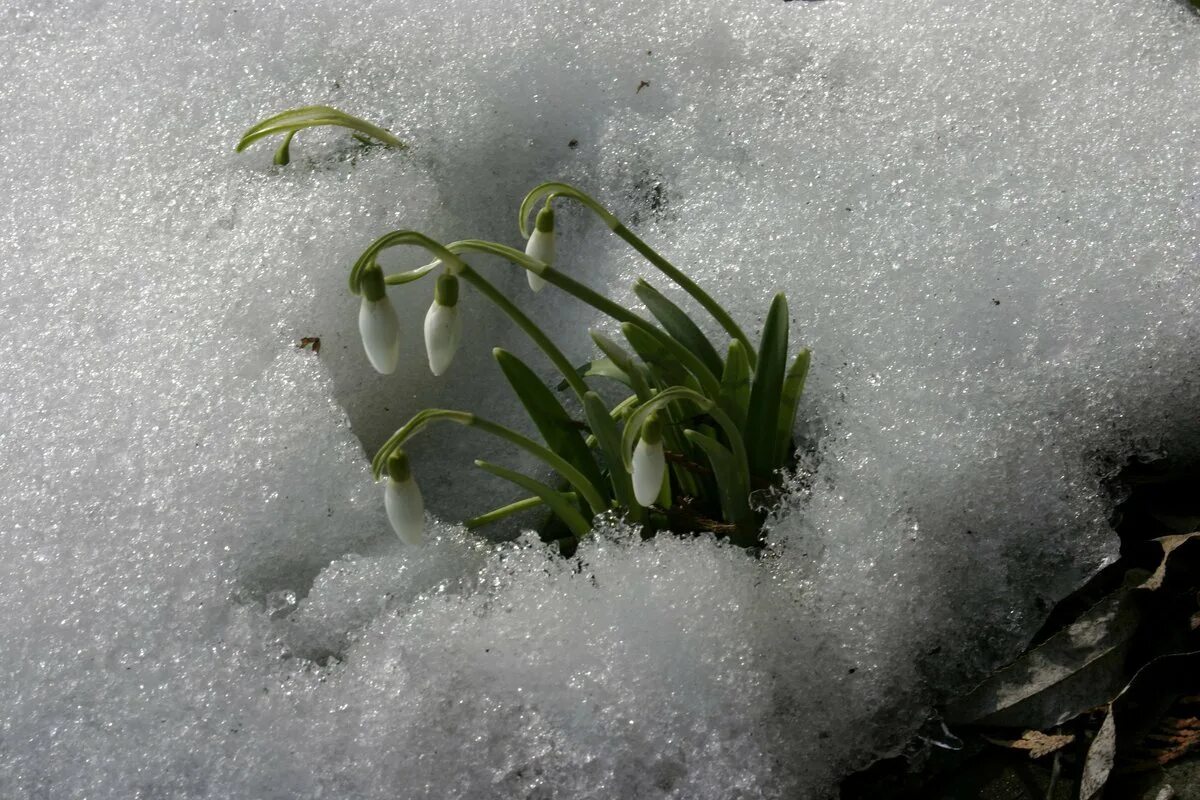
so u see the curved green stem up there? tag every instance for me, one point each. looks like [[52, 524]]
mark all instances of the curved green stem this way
[[531, 329], [598, 301], [554, 189], [396, 239], [430, 415], [633, 425], [297, 119]]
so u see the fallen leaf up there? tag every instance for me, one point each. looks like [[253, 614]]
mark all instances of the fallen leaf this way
[[1169, 545], [1036, 742], [1075, 670], [1100, 757]]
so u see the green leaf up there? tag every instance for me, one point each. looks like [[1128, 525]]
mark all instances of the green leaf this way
[[735, 384], [297, 119], [556, 426], [559, 503], [793, 387], [664, 364], [762, 416], [678, 324], [625, 363], [608, 437], [734, 492], [600, 368], [497, 514]]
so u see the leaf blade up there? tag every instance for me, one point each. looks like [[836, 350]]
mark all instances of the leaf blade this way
[[678, 324], [762, 415], [557, 428], [793, 388], [557, 501]]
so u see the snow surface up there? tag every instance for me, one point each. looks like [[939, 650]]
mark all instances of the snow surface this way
[[984, 215]]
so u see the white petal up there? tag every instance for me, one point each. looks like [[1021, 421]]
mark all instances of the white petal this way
[[649, 466], [541, 247], [405, 510], [443, 331], [380, 331]]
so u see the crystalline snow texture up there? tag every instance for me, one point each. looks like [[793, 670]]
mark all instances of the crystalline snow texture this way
[[984, 217]]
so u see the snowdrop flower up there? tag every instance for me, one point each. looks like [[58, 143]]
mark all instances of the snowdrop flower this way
[[649, 463], [402, 499], [443, 326], [541, 246], [377, 322]]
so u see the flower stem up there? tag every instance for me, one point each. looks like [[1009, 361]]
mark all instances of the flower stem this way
[[531, 329], [555, 461], [598, 301], [555, 189]]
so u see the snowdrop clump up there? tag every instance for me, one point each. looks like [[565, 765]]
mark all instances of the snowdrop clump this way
[[736, 413]]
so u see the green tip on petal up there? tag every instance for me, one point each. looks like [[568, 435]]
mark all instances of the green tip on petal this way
[[446, 291], [371, 285], [398, 468], [545, 220]]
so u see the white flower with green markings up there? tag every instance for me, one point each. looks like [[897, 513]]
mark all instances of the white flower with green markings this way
[[403, 501], [443, 325], [377, 322], [541, 246]]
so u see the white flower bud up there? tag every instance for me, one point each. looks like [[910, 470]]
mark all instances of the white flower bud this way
[[377, 323], [403, 501], [649, 463], [541, 246], [443, 326]]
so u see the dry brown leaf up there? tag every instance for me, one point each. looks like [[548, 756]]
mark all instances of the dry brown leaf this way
[[1036, 742], [1168, 544], [1100, 759]]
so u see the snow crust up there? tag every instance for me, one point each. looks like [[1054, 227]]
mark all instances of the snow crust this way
[[983, 214]]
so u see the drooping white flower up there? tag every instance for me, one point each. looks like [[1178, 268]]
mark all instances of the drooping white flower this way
[[377, 322], [649, 463], [541, 245], [443, 326], [403, 501]]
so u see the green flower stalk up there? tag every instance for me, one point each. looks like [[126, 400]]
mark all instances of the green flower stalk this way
[[290, 122]]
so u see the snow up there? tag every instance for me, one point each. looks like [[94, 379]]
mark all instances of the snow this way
[[983, 214]]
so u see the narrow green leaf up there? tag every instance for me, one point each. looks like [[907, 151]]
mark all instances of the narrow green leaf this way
[[608, 437], [600, 368], [793, 387], [733, 491], [678, 324], [558, 501], [556, 426], [624, 362], [735, 384], [497, 514], [762, 416], [664, 365]]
